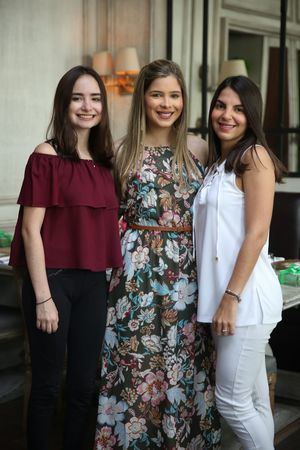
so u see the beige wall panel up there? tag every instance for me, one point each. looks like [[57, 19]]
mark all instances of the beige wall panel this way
[[129, 23], [130, 27], [39, 41], [158, 33]]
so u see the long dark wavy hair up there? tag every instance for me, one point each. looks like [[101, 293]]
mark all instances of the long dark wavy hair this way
[[61, 131], [251, 101]]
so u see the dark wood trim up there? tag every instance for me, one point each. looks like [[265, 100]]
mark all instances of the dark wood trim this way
[[204, 69], [169, 28], [282, 78]]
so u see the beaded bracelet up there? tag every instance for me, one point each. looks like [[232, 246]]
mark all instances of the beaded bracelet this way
[[44, 301], [233, 294]]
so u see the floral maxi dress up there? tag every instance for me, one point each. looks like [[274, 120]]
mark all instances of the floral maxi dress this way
[[157, 375]]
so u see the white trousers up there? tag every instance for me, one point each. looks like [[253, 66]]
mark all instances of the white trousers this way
[[242, 391]]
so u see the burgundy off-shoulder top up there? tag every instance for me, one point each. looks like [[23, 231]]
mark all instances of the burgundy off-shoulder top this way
[[80, 228]]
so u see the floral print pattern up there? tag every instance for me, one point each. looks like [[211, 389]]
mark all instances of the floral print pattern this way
[[157, 375]]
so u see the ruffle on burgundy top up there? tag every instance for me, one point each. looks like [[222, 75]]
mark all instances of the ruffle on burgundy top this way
[[80, 228]]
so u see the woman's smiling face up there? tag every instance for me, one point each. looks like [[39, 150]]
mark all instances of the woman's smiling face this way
[[228, 118], [85, 107], [163, 102]]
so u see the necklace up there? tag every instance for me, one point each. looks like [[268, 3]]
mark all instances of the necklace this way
[[87, 158], [89, 161]]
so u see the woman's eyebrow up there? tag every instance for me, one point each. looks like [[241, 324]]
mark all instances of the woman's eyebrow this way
[[80, 93], [161, 92]]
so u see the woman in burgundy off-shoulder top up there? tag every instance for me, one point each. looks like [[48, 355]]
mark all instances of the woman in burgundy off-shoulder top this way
[[67, 235]]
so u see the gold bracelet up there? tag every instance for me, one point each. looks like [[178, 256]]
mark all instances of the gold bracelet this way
[[44, 301], [233, 294]]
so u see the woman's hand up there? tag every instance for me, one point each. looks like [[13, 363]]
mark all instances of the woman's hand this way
[[47, 317], [46, 312], [225, 317]]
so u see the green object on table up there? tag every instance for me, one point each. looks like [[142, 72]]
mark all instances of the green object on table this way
[[5, 239], [291, 275]]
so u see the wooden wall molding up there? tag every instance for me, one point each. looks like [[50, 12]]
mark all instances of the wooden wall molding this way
[[89, 29], [8, 200], [158, 28], [267, 8]]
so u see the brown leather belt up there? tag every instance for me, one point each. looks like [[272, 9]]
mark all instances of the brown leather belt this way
[[180, 229]]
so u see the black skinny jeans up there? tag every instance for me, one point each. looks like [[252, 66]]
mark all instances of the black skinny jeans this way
[[80, 297]]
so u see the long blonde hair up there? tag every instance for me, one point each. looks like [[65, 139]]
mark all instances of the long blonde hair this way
[[129, 159]]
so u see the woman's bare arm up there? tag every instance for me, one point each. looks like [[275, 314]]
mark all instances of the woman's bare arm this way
[[46, 313], [259, 185], [198, 147]]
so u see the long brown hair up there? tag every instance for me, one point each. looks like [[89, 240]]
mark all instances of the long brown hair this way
[[61, 131], [251, 100], [129, 158]]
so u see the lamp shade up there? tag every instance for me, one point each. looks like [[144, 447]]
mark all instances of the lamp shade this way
[[127, 62], [103, 63], [231, 68]]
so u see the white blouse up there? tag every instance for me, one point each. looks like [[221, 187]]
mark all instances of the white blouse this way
[[219, 231]]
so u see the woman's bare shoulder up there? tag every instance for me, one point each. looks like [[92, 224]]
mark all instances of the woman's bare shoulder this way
[[45, 149], [258, 158], [198, 147]]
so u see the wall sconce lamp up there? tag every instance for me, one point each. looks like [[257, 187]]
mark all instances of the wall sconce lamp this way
[[125, 71], [103, 64], [231, 68], [127, 68]]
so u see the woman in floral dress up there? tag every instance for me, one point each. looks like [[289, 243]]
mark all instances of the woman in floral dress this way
[[158, 364]]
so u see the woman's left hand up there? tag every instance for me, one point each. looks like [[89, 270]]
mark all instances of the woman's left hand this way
[[225, 317]]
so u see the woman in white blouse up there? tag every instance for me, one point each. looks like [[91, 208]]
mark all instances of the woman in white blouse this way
[[238, 289]]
